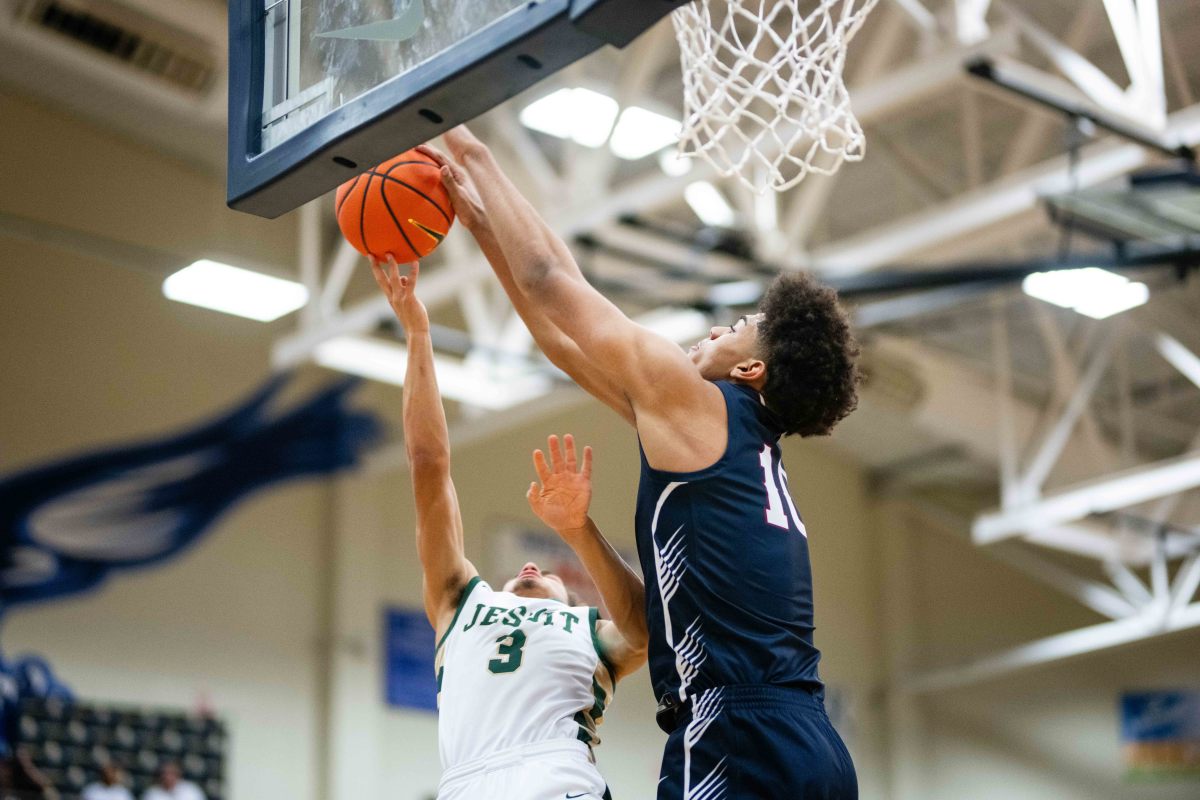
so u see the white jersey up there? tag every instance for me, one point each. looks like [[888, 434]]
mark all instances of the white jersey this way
[[515, 671]]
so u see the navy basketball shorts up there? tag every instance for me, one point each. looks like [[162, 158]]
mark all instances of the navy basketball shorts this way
[[756, 743]]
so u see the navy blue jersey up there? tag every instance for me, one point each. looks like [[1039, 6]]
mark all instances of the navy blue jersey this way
[[725, 558]]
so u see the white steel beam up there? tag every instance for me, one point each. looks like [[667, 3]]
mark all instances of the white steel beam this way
[[1094, 639], [1041, 121], [550, 185], [1006, 430], [872, 101], [1093, 595], [1130, 585], [1104, 600], [809, 200], [1094, 540], [1085, 75], [1098, 496], [1160, 578], [919, 15], [1136, 29], [309, 253], [1186, 582], [901, 87], [341, 270], [1067, 375], [1179, 357], [366, 315], [993, 203], [474, 431], [1052, 446]]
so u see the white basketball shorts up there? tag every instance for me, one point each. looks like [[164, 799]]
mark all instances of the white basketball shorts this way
[[559, 769]]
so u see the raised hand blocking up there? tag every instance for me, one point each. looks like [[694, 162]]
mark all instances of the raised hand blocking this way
[[565, 492], [401, 292]]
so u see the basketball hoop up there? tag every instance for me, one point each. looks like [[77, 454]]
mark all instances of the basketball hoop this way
[[762, 84]]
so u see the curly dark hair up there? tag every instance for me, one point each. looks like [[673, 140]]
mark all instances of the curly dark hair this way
[[805, 340]]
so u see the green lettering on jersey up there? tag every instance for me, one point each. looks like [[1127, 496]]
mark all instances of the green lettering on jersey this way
[[508, 654], [490, 617], [514, 616], [478, 607], [569, 619], [546, 615]]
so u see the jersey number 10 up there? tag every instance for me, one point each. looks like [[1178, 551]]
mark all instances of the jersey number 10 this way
[[775, 481]]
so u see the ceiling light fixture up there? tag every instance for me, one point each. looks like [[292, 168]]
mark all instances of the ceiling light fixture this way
[[1091, 291], [581, 115], [233, 290], [709, 204], [640, 132]]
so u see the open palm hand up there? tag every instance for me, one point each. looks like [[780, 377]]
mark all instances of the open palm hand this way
[[562, 498]]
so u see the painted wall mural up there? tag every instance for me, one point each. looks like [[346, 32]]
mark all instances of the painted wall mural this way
[[68, 526]]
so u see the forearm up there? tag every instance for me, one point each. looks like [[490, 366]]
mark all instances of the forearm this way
[[427, 441], [426, 437], [531, 248], [622, 590], [553, 342], [557, 346]]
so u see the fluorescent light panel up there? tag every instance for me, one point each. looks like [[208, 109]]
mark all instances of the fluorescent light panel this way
[[640, 132], [709, 204], [1091, 291], [233, 290], [581, 115], [490, 387]]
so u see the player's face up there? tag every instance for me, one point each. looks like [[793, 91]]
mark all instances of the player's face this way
[[726, 347], [532, 582]]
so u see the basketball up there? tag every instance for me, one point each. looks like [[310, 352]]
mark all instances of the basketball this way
[[399, 208]]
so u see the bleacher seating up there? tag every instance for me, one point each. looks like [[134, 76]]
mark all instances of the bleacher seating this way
[[70, 740]]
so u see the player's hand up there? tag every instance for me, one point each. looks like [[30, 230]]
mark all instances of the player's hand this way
[[468, 208], [562, 499], [401, 292]]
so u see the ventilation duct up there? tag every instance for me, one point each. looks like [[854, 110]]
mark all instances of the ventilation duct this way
[[128, 36]]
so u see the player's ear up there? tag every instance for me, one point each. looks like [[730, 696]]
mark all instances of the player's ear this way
[[752, 371]]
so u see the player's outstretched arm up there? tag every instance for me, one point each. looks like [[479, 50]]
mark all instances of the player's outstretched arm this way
[[444, 566], [653, 373], [561, 500], [558, 347]]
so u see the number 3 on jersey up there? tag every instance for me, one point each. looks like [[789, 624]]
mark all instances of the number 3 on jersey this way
[[508, 656], [775, 481]]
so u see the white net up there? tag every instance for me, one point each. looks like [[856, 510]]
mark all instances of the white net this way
[[762, 85]]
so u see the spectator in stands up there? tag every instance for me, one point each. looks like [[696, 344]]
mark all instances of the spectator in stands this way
[[109, 787], [171, 786], [19, 778]]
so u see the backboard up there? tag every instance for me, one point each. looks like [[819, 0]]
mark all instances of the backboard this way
[[321, 89]]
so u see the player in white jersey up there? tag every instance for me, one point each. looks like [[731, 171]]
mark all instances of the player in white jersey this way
[[524, 677]]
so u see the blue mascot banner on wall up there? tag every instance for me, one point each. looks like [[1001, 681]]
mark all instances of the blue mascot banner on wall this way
[[65, 527], [1160, 734]]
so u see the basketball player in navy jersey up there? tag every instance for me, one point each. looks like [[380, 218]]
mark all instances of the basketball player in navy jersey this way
[[724, 551]]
